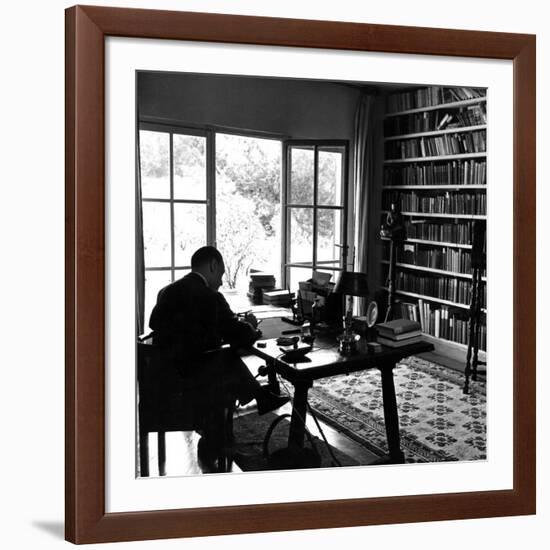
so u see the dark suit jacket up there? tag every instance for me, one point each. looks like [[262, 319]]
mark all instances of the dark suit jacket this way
[[190, 318]]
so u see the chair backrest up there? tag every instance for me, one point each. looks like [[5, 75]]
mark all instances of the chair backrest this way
[[165, 403]]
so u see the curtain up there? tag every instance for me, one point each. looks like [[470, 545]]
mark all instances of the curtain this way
[[363, 156], [140, 259]]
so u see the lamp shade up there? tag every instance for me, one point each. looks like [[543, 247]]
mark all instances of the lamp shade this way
[[352, 283]]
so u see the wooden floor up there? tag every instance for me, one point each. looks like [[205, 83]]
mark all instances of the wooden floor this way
[[181, 449]]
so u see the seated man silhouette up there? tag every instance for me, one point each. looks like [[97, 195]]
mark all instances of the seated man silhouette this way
[[190, 318]]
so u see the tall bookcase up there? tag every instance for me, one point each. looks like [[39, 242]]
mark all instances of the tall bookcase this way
[[435, 168]]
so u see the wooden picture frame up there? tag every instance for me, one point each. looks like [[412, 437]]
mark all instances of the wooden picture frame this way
[[86, 30]]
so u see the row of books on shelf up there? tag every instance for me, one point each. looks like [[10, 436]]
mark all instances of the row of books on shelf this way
[[472, 115], [448, 203], [434, 95], [432, 121], [456, 172], [434, 146], [444, 258], [457, 233], [442, 287], [441, 321]]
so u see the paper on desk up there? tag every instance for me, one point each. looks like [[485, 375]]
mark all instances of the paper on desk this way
[[321, 279]]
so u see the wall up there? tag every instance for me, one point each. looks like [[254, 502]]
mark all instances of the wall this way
[[31, 320], [290, 108], [286, 108]]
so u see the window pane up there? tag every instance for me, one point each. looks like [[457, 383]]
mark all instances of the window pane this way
[[156, 234], [330, 178], [189, 167], [301, 175], [297, 274], [189, 231], [154, 281], [301, 234], [328, 234], [248, 208], [155, 164]]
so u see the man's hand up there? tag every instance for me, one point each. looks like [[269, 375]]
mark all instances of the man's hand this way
[[250, 318]]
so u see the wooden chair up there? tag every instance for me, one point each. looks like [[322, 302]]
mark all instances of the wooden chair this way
[[168, 402]]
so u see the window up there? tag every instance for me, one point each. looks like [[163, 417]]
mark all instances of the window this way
[[248, 206], [175, 204], [203, 187], [314, 206]]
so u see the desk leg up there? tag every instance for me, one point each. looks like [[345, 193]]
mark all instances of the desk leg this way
[[391, 417], [272, 382], [299, 412]]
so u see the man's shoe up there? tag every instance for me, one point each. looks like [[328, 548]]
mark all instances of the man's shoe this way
[[270, 402]]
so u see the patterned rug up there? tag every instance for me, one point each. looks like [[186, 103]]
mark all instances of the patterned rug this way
[[250, 431], [437, 421]]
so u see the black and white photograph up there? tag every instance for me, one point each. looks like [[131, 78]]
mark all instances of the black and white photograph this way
[[311, 281], [275, 275]]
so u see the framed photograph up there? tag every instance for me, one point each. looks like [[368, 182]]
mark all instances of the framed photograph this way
[[217, 167]]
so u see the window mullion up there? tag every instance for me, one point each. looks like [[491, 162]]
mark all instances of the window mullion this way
[[176, 201], [211, 188], [344, 251], [285, 215], [172, 220], [315, 187]]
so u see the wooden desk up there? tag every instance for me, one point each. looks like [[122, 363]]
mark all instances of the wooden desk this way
[[325, 361]]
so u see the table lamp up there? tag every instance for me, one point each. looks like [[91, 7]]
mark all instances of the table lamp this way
[[350, 284]]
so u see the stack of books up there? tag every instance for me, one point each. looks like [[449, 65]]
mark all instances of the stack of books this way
[[259, 282], [279, 297], [398, 333]]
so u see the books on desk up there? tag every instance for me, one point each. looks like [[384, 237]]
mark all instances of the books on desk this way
[[278, 297], [398, 333], [259, 282], [398, 343]]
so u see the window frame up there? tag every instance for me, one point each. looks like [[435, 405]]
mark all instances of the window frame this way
[[209, 133], [328, 265], [209, 202]]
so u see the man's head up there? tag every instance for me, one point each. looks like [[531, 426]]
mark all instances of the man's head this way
[[209, 263]]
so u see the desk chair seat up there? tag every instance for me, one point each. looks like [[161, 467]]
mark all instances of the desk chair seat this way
[[168, 402]]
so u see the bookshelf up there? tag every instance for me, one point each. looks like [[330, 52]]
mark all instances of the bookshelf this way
[[434, 158], [437, 132], [436, 243], [432, 270], [438, 106], [435, 167], [436, 215]]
